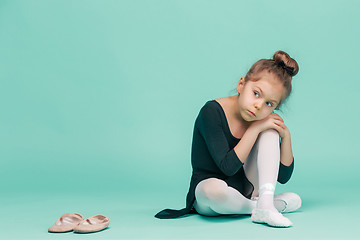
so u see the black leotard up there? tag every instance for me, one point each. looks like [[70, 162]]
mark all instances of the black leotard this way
[[213, 156]]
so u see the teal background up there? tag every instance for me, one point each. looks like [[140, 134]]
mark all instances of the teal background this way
[[99, 98]]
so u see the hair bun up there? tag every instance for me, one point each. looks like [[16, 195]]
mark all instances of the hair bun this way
[[283, 60]]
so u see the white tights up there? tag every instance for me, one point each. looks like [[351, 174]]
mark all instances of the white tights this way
[[214, 197]]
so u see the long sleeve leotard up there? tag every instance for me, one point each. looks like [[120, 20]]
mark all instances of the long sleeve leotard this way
[[213, 156]]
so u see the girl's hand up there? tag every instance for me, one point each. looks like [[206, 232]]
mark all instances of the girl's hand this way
[[283, 130], [273, 121]]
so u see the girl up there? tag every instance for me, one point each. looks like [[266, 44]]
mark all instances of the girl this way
[[237, 155]]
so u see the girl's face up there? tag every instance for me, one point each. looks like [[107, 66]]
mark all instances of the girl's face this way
[[260, 97]]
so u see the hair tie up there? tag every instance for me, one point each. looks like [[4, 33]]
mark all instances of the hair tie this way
[[289, 70]]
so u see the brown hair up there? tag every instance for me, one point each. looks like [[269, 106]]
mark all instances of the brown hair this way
[[282, 65]]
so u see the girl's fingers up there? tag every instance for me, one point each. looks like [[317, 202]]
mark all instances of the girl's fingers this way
[[277, 121], [278, 129], [281, 123], [277, 124], [280, 119]]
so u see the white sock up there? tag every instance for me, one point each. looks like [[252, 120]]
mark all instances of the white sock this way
[[266, 197]]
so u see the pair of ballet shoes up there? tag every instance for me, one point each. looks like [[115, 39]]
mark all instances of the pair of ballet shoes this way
[[76, 222]]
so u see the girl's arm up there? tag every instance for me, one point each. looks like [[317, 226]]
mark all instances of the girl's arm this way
[[286, 154], [274, 121], [246, 143]]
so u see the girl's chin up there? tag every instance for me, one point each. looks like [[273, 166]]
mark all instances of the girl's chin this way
[[248, 117]]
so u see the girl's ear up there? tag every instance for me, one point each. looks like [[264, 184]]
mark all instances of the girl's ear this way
[[240, 85]]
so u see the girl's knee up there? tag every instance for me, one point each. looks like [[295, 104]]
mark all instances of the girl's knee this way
[[212, 189], [270, 133]]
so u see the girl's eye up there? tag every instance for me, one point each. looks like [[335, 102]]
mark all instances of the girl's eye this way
[[270, 104]]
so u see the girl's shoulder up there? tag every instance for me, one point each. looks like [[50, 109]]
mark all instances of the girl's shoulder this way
[[215, 106], [224, 103], [211, 105], [218, 102]]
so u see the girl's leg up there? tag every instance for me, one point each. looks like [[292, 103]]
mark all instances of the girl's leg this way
[[214, 197], [251, 168], [251, 173], [268, 160]]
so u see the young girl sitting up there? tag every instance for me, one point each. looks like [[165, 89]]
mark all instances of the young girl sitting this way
[[241, 148]]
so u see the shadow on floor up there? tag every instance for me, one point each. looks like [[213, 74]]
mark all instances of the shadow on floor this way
[[225, 218]]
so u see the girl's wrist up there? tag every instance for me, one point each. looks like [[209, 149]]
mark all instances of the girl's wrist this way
[[286, 140], [286, 136], [255, 129]]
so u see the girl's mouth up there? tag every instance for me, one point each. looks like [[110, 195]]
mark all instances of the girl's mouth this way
[[251, 113]]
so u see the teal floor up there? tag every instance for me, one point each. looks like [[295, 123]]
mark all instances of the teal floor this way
[[27, 216]]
